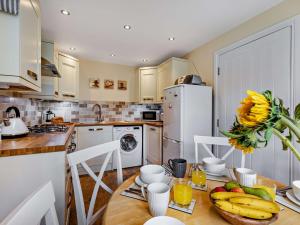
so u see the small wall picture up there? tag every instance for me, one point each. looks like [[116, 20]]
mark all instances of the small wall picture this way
[[94, 83], [122, 85], [109, 84]]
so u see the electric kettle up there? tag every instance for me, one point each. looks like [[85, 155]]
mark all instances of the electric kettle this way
[[13, 124]]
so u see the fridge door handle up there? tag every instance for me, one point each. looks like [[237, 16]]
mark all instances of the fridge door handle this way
[[176, 142]]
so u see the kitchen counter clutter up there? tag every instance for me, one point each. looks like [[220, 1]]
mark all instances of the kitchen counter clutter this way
[[35, 143], [121, 123]]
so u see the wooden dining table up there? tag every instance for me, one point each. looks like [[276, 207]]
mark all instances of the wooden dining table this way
[[123, 210]]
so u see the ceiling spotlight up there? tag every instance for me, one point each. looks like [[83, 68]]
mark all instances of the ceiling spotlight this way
[[171, 38], [65, 12], [145, 60], [112, 55], [127, 27], [72, 49]]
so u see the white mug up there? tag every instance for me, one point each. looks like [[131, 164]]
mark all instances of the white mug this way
[[296, 188], [158, 195], [245, 177]]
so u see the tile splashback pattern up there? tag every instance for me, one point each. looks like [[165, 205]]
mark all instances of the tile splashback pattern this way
[[32, 110]]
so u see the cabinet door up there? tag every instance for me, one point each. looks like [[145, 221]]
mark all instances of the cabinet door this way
[[164, 75], [148, 85], [69, 69], [30, 44], [154, 145], [91, 136]]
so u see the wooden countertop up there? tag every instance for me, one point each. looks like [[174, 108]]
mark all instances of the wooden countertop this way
[[121, 123], [35, 143]]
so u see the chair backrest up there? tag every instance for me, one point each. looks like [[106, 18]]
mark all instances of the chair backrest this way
[[80, 157], [38, 205], [208, 140]]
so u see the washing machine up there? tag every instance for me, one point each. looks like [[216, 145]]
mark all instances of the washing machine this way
[[131, 139]]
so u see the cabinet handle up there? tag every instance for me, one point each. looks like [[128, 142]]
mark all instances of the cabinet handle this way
[[153, 129], [32, 74], [91, 129], [99, 129], [69, 95], [148, 98], [56, 92]]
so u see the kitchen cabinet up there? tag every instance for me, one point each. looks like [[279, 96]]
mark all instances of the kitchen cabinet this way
[[148, 84], [153, 144], [168, 72], [94, 135], [20, 44], [68, 68]]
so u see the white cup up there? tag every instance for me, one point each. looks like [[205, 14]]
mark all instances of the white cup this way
[[245, 177], [296, 188], [158, 195], [152, 173]]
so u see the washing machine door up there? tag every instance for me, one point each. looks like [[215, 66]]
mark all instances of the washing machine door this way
[[128, 143]]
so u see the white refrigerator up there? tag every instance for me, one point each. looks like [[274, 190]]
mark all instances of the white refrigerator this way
[[187, 112]]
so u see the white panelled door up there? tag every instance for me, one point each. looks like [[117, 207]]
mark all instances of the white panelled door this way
[[264, 63]]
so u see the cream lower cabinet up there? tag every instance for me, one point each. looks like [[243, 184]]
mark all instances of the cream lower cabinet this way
[[90, 136], [152, 145], [68, 83], [20, 44], [148, 84]]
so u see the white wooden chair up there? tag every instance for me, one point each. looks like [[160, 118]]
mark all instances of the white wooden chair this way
[[80, 157], [38, 205], [219, 141]]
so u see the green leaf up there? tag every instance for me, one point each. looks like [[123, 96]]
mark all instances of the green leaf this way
[[268, 134], [297, 113], [230, 135]]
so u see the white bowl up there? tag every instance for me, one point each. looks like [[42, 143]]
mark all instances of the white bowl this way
[[152, 173], [296, 188], [213, 165], [163, 220]]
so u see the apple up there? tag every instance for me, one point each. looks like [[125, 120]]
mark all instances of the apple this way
[[219, 189], [237, 189]]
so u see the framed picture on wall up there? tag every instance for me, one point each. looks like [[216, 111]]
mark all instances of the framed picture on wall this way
[[122, 85], [94, 83], [109, 84]]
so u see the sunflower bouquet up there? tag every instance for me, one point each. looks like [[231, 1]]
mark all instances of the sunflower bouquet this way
[[258, 118]]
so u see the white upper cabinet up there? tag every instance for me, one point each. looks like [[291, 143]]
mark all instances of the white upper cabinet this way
[[148, 84], [68, 83], [169, 71], [20, 45]]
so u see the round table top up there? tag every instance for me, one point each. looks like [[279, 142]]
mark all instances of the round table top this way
[[123, 210]]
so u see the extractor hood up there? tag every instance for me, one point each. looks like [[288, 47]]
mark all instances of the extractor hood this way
[[48, 67]]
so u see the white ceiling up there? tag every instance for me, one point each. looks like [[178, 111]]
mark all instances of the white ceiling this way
[[95, 27]]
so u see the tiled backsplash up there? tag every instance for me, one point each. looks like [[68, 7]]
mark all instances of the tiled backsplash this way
[[31, 110]]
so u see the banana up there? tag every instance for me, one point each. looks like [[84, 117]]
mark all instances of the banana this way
[[242, 211], [228, 195], [259, 204]]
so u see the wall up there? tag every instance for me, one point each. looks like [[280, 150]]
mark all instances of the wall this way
[[203, 56], [96, 69], [31, 110]]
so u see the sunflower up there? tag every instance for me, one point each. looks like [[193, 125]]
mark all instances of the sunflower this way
[[246, 150], [255, 109]]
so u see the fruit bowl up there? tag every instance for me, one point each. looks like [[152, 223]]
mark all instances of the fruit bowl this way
[[239, 220]]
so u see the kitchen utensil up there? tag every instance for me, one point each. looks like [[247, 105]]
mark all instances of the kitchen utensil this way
[[49, 115], [158, 195], [163, 220], [244, 176], [13, 125], [213, 165], [152, 173], [296, 188], [178, 166], [139, 182]]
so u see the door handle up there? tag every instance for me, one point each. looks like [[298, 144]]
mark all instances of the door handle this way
[[170, 106], [32, 74]]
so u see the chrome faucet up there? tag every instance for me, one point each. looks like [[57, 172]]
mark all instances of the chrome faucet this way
[[98, 112]]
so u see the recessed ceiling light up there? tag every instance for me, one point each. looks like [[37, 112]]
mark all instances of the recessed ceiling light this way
[[112, 55], [145, 60], [171, 38], [72, 49], [127, 27], [65, 12]]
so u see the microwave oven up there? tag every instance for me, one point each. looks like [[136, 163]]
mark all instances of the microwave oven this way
[[151, 115]]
